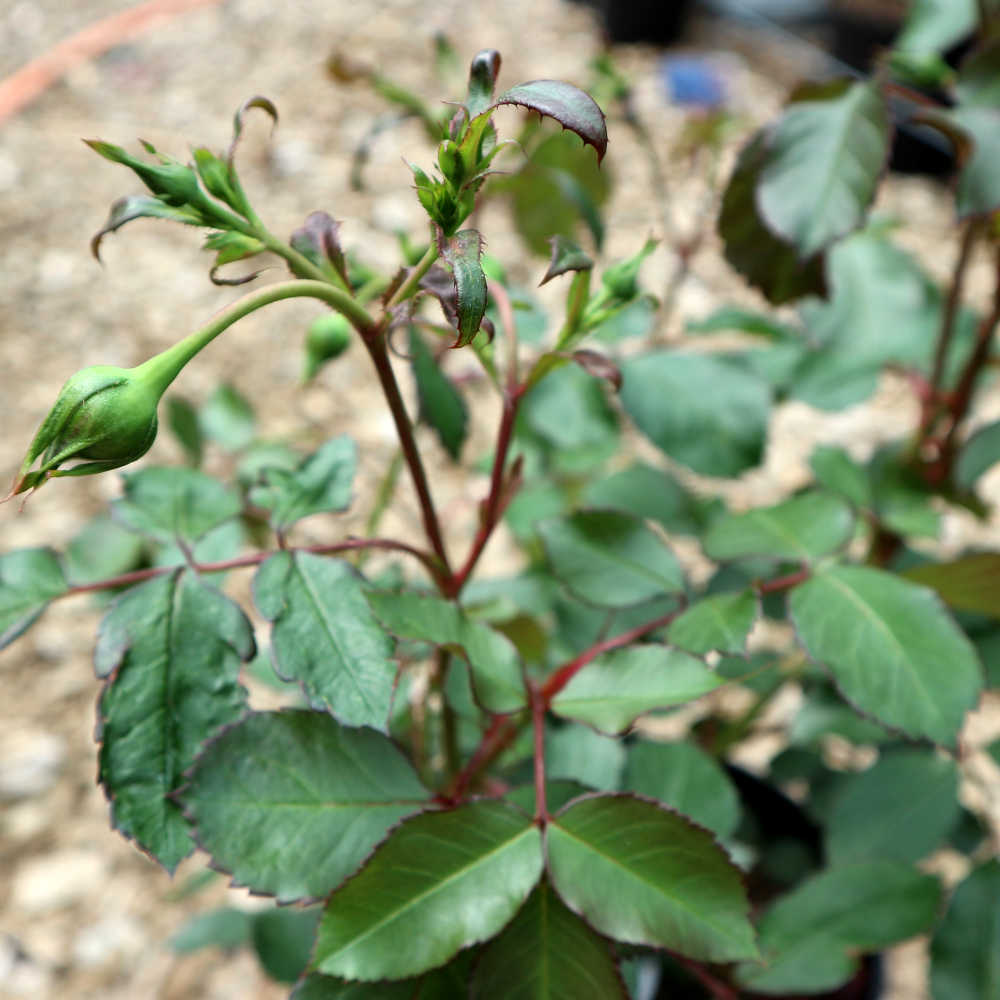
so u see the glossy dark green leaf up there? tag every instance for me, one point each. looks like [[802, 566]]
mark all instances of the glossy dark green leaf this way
[[965, 950], [979, 453], [706, 413], [626, 866], [893, 650], [810, 937], [101, 550], [766, 261], [613, 690], [825, 155], [171, 504], [686, 779], [720, 622], [291, 803], [803, 529], [646, 492], [171, 649], [446, 983], [324, 636], [441, 404], [492, 658], [546, 953], [969, 583], [228, 418], [29, 579], [900, 809], [225, 928], [573, 108], [283, 941], [576, 752], [609, 558], [182, 419], [440, 882], [462, 254], [322, 482], [883, 308]]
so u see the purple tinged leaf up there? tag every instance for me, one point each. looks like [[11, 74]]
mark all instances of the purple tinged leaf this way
[[483, 74], [253, 102], [462, 253], [572, 107], [566, 256], [600, 366], [318, 239]]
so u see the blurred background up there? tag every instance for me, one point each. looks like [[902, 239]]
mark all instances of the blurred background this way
[[82, 913]]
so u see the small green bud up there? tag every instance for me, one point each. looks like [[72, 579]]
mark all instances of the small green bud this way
[[451, 163], [621, 280], [104, 416], [328, 337]]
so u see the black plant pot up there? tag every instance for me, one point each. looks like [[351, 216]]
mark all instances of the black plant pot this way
[[658, 22], [790, 847]]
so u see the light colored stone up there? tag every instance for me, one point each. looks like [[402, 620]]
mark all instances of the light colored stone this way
[[30, 762], [55, 880]]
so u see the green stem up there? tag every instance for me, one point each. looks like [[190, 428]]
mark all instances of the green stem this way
[[409, 286], [162, 369]]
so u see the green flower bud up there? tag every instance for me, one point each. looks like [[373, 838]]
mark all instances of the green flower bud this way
[[104, 416], [328, 337]]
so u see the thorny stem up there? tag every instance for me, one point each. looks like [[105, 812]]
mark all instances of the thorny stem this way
[[948, 319], [349, 545], [404, 429], [538, 726]]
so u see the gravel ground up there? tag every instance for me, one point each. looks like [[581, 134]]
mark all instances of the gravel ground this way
[[82, 913]]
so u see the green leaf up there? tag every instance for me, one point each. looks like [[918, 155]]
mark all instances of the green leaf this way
[[142, 207], [974, 131], [965, 950], [883, 308], [291, 803], [566, 256], [969, 583], [546, 953], [182, 419], [322, 482], [613, 690], [100, 551], [318, 240], [577, 753], [824, 158], [646, 492], [226, 928], [29, 579], [706, 413], [441, 404], [171, 649], [171, 504], [900, 809], [462, 254], [492, 658], [979, 453], [573, 108], [809, 938], [440, 882], [978, 82], [324, 636], [892, 648], [721, 622], [609, 558], [766, 261], [558, 792], [625, 865], [569, 409], [283, 941], [440, 984], [803, 529], [727, 318], [228, 419], [836, 471], [685, 778], [936, 25]]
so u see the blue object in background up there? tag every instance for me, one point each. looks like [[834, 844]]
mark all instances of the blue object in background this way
[[693, 81]]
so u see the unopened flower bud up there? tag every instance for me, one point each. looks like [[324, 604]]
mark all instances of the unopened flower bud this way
[[328, 337], [105, 417]]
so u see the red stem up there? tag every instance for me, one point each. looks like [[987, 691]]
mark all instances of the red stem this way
[[780, 583], [538, 724], [564, 674], [501, 731], [139, 575]]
